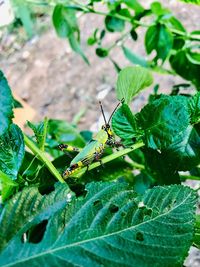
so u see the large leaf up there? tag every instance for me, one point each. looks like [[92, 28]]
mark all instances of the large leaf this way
[[160, 39], [111, 226], [124, 125], [163, 120], [6, 104], [131, 81], [30, 205], [11, 151]]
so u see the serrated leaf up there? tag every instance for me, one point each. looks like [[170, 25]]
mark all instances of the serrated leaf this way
[[131, 80], [40, 131], [110, 227], [184, 153], [6, 104], [133, 58], [30, 205], [160, 39], [124, 125], [170, 118], [11, 151], [194, 108]]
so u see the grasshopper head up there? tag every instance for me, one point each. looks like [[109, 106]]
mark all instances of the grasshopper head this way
[[106, 127]]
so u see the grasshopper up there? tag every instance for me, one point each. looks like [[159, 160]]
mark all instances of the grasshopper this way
[[94, 149]]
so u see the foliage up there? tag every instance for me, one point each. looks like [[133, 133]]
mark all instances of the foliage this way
[[102, 216]]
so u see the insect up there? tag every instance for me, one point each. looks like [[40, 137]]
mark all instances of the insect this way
[[94, 149]]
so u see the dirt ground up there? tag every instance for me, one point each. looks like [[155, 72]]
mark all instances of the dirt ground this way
[[56, 82]]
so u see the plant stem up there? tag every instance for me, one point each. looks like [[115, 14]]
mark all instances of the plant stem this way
[[109, 158], [42, 156], [139, 23], [189, 177]]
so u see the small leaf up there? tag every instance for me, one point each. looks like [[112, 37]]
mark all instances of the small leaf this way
[[114, 24], [107, 227], [75, 45], [102, 52], [131, 81], [182, 63], [124, 125], [135, 5], [6, 104], [160, 39], [40, 131], [11, 151], [64, 21], [133, 58]]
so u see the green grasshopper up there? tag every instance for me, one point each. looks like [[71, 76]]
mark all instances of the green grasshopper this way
[[94, 149]]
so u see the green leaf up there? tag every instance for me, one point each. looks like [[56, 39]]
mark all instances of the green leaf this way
[[133, 58], [64, 21], [131, 80], [183, 153], [111, 226], [29, 205], [62, 132], [124, 125], [6, 104], [197, 232], [102, 52], [75, 45], [160, 39], [135, 5], [114, 24], [11, 151], [194, 107], [161, 167], [158, 10], [23, 12], [40, 131], [170, 118], [182, 63], [196, 2], [7, 186]]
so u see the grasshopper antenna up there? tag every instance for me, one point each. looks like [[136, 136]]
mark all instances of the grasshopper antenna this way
[[102, 112], [113, 112]]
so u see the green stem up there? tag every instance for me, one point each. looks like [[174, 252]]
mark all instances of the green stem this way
[[189, 177], [109, 158], [139, 23], [42, 156]]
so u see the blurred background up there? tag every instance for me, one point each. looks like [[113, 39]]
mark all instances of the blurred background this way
[[44, 72]]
